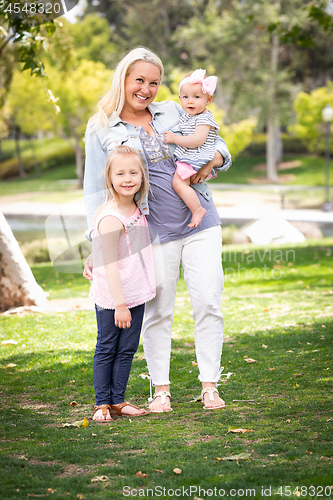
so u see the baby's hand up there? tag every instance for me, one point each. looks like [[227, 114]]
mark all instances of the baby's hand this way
[[169, 137], [122, 316]]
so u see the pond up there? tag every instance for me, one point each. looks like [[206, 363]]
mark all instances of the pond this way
[[27, 229]]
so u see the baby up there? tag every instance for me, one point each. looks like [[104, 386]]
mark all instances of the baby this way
[[197, 144]]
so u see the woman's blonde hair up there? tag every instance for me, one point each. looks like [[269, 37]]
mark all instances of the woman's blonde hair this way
[[111, 194], [111, 105]]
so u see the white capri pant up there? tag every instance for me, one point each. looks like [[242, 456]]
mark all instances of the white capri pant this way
[[200, 256]]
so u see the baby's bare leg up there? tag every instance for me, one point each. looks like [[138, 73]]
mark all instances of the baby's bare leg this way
[[190, 199]]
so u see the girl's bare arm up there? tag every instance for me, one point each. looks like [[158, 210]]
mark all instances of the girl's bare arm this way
[[188, 141]]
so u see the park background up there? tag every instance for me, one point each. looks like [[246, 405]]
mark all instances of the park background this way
[[274, 62]]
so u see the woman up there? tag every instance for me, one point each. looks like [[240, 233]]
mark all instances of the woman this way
[[127, 115]]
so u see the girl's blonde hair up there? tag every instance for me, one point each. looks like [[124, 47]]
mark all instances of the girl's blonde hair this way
[[111, 194], [111, 105]]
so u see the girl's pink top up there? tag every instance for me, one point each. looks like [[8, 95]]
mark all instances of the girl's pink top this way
[[135, 262]]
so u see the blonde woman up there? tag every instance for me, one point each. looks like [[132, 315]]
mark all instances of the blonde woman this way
[[128, 115]]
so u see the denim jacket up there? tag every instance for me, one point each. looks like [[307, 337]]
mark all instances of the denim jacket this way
[[100, 142]]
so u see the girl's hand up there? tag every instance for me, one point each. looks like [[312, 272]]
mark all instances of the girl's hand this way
[[88, 267], [169, 137], [122, 316]]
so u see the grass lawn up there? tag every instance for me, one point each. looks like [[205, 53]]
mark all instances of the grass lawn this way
[[310, 172], [278, 311], [52, 184]]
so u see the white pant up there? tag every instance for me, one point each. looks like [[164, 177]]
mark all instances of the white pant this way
[[200, 256]]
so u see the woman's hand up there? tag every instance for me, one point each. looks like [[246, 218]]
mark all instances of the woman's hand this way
[[204, 171], [88, 267], [122, 316]]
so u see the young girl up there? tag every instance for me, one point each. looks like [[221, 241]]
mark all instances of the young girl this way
[[123, 280], [196, 147]]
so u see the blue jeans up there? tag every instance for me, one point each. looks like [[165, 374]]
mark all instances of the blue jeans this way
[[114, 353]]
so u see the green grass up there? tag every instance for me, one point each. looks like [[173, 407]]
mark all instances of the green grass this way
[[310, 173], [48, 181], [278, 311]]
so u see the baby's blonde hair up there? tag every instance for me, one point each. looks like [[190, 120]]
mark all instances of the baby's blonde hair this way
[[110, 193], [111, 105]]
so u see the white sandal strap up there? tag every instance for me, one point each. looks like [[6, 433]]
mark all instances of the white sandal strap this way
[[163, 395], [210, 391]]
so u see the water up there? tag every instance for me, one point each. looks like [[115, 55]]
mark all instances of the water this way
[[29, 229]]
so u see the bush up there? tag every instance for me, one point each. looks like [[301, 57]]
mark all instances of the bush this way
[[48, 155], [36, 251], [291, 145]]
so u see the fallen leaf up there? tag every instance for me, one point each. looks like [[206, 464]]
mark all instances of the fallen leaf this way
[[264, 346], [140, 358], [239, 430], [93, 434], [84, 369], [291, 351], [157, 470], [10, 365], [50, 490], [79, 496], [99, 478], [271, 369], [250, 360], [143, 375], [72, 381], [266, 310], [298, 375], [73, 403], [177, 470], [288, 420], [140, 474], [297, 385], [241, 456], [78, 423], [9, 342], [49, 371], [194, 363]]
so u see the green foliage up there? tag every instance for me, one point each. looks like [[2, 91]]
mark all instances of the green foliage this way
[[25, 30], [91, 39], [78, 90], [28, 104], [291, 145], [309, 125], [47, 154]]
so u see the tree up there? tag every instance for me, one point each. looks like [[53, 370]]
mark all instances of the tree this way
[[29, 110], [249, 61], [18, 286], [309, 124], [78, 90]]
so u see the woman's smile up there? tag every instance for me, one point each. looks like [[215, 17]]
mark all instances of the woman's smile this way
[[141, 86]]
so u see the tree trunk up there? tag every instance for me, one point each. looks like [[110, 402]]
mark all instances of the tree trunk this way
[[22, 172], [271, 146], [278, 146], [271, 151], [79, 163], [34, 154], [166, 35], [18, 286]]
